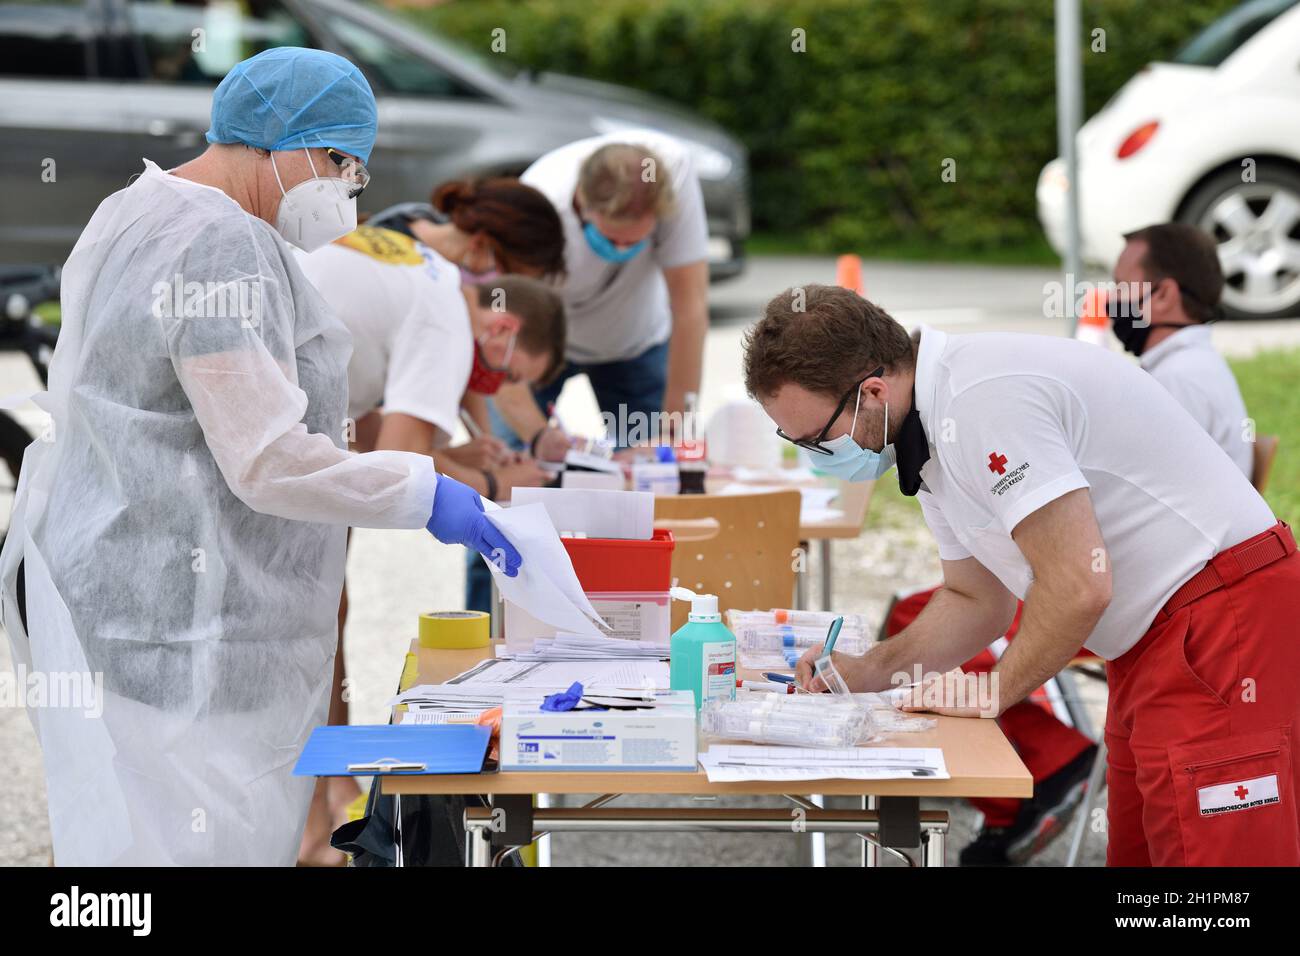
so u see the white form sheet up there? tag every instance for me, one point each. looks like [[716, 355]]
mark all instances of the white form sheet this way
[[546, 585], [572, 647], [733, 763]]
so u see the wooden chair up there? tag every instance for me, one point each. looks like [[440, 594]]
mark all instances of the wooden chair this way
[[740, 547], [1265, 452]]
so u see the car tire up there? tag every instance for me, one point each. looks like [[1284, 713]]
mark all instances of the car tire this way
[[1252, 222]]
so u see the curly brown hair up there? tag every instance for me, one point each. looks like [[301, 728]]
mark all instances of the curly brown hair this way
[[823, 338]]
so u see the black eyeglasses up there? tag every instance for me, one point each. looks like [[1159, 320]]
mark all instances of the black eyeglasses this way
[[815, 444]]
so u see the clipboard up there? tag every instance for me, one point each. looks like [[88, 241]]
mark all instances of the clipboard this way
[[369, 750]]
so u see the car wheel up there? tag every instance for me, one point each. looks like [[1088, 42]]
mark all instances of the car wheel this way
[[1257, 227]]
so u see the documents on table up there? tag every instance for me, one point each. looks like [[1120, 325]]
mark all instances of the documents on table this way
[[557, 675], [546, 586], [785, 476], [427, 716], [735, 763], [573, 647], [488, 683], [574, 458]]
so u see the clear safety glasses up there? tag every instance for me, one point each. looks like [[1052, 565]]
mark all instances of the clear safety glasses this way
[[351, 170]]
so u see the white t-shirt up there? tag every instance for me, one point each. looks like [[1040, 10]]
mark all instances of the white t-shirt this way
[[412, 345], [1016, 421], [616, 311], [1189, 366]]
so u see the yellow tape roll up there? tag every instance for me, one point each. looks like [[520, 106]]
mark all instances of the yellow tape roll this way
[[449, 630]]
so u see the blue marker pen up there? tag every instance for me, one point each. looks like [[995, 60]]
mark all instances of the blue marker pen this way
[[831, 636]]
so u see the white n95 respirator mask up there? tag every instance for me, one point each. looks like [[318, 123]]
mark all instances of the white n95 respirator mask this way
[[316, 211]]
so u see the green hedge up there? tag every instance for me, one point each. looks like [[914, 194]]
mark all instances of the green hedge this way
[[847, 140]]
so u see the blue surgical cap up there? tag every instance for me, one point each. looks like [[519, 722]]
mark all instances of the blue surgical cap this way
[[291, 98]]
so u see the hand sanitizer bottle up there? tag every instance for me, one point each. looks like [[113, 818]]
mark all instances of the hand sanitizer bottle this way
[[703, 651]]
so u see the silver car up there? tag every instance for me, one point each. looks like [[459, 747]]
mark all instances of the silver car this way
[[89, 87]]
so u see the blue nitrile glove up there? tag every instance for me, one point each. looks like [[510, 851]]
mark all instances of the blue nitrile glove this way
[[565, 699], [458, 518]]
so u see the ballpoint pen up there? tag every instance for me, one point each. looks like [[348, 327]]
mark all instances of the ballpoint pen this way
[[831, 635]]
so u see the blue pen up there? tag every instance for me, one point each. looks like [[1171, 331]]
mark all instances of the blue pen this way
[[780, 678], [831, 635]]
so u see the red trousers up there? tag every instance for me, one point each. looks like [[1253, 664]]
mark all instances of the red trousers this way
[[1201, 718], [1042, 741]]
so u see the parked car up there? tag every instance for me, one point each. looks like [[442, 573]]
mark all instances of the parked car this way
[[89, 87], [1212, 139]]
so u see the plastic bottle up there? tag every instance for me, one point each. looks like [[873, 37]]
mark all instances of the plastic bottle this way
[[703, 652]]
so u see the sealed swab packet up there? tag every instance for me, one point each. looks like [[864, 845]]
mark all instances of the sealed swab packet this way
[[836, 719], [781, 637]]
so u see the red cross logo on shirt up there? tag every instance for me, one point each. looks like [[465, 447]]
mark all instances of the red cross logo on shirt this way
[[1241, 792], [997, 463]]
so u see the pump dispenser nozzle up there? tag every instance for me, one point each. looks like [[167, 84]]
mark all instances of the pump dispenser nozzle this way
[[704, 607]]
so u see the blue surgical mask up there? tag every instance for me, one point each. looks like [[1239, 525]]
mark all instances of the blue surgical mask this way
[[850, 462], [601, 245]]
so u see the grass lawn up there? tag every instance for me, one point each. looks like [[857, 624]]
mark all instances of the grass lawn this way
[[1270, 384]]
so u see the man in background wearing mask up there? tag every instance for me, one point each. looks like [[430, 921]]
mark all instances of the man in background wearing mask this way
[[636, 277], [635, 291], [1054, 472], [1176, 268]]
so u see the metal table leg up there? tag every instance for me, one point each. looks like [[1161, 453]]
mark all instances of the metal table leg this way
[[932, 853], [494, 605], [1096, 777], [824, 547], [870, 850], [801, 580], [817, 839], [930, 826]]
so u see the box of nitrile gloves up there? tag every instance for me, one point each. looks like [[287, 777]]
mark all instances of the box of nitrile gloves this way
[[660, 737]]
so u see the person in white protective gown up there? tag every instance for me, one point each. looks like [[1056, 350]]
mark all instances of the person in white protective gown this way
[[180, 536]]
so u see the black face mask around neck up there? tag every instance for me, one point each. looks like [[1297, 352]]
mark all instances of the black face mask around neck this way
[[912, 451]]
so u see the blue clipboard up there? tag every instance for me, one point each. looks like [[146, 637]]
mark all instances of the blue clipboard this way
[[365, 751]]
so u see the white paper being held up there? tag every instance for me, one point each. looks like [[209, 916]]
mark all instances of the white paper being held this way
[[546, 586]]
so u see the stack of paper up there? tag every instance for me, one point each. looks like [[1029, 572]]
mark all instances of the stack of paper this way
[[734, 763], [488, 684], [575, 647]]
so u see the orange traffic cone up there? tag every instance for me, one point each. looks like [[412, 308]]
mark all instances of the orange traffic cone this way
[[848, 274], [1094, 322]]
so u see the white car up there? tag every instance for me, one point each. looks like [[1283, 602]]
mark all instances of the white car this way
[[1211, 139]]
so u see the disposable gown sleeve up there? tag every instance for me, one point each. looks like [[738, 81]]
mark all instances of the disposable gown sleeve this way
[[251, 409]]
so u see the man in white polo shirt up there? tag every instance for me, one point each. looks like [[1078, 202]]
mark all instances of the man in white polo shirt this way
[[1177, 266], [1058, 473], [636, 279]]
